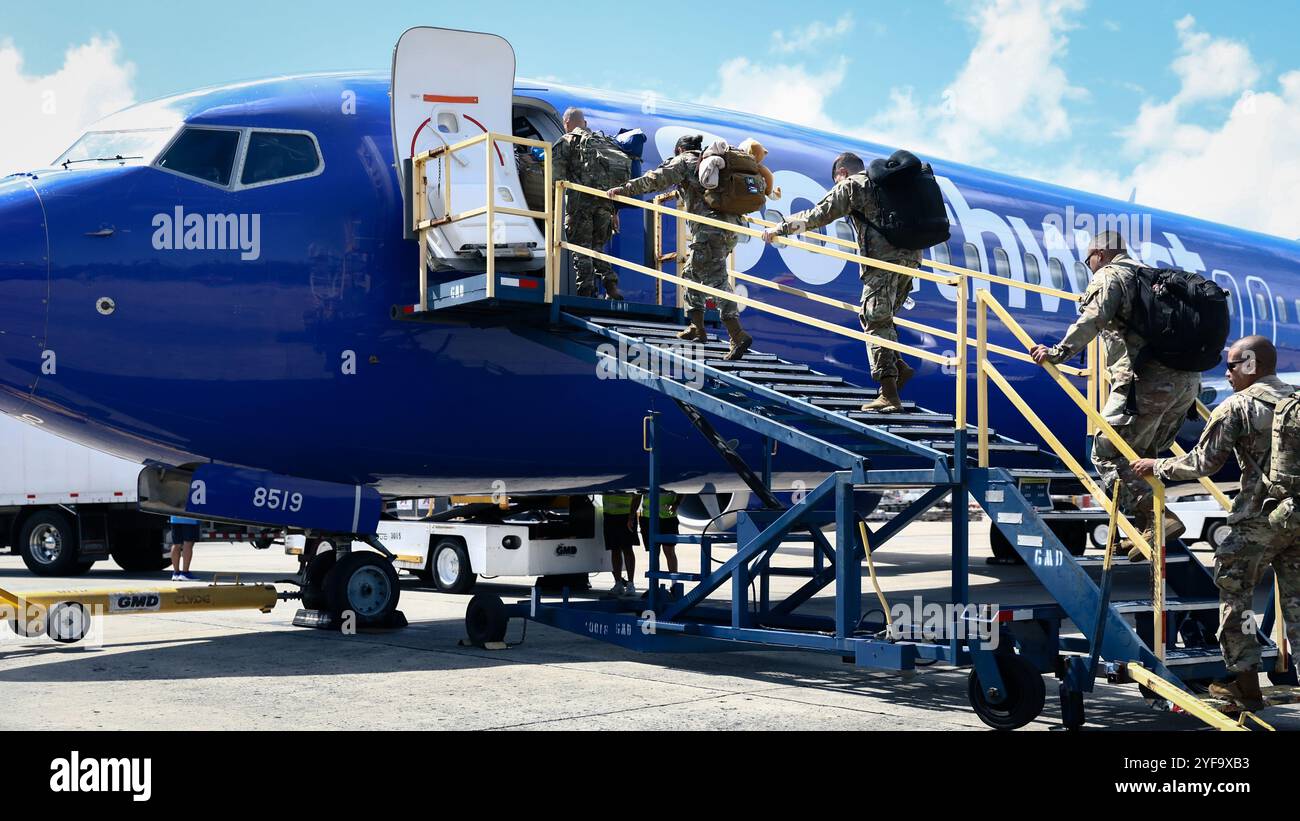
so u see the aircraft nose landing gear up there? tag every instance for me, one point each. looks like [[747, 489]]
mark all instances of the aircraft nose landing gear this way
[[348, 590]]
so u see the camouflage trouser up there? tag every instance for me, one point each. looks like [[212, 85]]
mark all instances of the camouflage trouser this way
[[883, 295], [1238, 567], [706, 263], [589, 222], [1162, 398]]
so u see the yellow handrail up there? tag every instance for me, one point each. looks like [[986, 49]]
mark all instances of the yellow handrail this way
[[1155, 552], [490, 209]]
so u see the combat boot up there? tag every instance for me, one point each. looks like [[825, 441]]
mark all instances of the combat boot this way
[[1174, 528], [1244, 690], [740, 341], [611, 290], [905, 374], [694, 332], [886, 400]]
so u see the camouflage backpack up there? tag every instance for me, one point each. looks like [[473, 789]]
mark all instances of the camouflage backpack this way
[[741, 189], [602, 163], [1284, 468]]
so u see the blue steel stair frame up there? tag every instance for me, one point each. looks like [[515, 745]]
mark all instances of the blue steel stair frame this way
[[677, 614]]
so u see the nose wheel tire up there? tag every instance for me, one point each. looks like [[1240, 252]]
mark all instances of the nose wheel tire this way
[[313, 583], [364, 584], [1020, 704]]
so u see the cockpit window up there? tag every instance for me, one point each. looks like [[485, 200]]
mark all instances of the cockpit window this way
[[207, 154], [120, 147], [274, 155]]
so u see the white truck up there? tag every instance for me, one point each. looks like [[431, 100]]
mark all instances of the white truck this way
[[64, 506], [450, 546]]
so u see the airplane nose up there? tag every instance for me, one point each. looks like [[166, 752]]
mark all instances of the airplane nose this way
[[24, 287]]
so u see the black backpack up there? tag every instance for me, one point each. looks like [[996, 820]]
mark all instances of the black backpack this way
[[912, 215], [1182, 316]]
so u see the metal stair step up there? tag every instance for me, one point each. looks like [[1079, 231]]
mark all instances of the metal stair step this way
[[814, 381], [1097, 560], [1178, 656], [1144, 605], [886, 418], [994, 447], [748, 366], [936, 430]]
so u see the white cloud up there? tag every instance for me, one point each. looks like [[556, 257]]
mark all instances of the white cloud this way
[[802, 39], [791, 93], [45, 113], [1011, 87]]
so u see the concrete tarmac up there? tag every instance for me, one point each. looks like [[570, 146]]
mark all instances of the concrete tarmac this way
[[248, 670]]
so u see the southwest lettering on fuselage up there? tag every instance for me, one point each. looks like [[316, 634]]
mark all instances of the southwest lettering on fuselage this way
[[179, 231]]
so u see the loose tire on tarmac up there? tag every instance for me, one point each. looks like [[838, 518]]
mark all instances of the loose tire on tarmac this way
[[1023, 700], [486, 619], [364, 584], [49, 544], [449, 567]]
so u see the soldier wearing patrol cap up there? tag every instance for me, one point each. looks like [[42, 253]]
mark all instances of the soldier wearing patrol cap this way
[[1148, 401]]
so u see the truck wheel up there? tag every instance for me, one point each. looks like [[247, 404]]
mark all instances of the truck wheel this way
[[1021, 704], [313, 583], [139, 551], [1216, 533], [365, 584], [486, 619], [49, 544], [450, 567]]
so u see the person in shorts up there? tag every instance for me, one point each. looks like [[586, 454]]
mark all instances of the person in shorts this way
[[182, 533], [620, 539]]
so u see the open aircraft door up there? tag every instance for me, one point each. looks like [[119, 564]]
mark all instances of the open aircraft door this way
[[449, 86]]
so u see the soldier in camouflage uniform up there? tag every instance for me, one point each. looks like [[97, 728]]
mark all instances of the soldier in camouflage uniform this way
[[1148, 401], [1243, 425], [588, 221], [706, 261], [883, 292]]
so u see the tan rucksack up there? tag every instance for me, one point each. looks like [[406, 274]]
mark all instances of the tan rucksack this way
[[1284, 466], [741, 189]]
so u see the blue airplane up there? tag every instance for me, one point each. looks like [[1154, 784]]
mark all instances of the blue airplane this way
[[208, 279]]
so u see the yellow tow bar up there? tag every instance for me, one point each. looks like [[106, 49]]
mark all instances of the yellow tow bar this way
[[1187, 703], [65, 615]]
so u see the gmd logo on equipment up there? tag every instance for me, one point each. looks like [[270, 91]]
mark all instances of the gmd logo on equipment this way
[[134, 602]]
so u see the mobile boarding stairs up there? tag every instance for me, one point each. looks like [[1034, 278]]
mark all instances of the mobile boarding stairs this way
[[1166, 643]]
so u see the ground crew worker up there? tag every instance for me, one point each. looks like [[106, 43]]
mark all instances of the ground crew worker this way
[[706, 262], [669, 524], [588, 221], [1243, 425], [1148, 401], [620, 539], [883, 292]]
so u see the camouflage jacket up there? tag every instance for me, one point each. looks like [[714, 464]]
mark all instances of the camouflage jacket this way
[[854, 198], [681, 172], [1243, 425], [565, 162], [1104, 310]]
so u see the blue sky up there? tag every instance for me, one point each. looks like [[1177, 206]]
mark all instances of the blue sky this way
[[1076, 73]]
